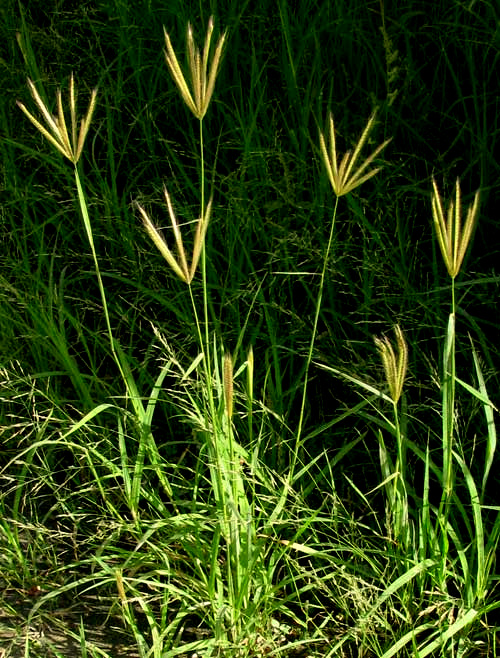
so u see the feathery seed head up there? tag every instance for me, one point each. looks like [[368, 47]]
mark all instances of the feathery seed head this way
[[344, 178], [453, 240], [56, 130], [202, 75], [395, 362], [179, 265], [228, 384]]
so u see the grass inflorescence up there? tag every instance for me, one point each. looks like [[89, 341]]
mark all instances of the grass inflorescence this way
[[248, 364]]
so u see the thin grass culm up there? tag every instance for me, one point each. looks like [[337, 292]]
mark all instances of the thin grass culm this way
[[344, 178], [229, 588], [453, 241], [70, 145]]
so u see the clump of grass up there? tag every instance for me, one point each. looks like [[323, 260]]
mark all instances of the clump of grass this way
[[237, 593], [178, 506], [430, 540]]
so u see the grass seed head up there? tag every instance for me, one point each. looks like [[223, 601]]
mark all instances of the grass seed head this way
[[395, 362], [344, 178], [202, 74], [56, 130], [179, 265], [452, 238]]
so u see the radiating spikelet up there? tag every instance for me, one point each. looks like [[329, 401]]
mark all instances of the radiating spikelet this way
[[228, 383], [453, 240], [56, 131], [343, 177], [202, 79]]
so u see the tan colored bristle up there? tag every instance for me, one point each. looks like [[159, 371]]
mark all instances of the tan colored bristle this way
[[453, 241], [202, 79], [179, 265], [228, 383]]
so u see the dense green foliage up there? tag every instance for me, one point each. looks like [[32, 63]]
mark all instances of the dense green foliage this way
[[224, 467]]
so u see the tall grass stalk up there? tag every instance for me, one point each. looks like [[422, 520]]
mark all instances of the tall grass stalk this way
[[395, 475], [70, 145], [344, 176], [453, 241], [230, 593]]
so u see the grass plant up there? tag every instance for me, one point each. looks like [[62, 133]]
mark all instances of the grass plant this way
[[228, 456]]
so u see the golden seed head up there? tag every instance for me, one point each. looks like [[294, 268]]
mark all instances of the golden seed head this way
[[395, 363], [452, 238], [344, 178], [179, 265], [202, 74], [56, 130]]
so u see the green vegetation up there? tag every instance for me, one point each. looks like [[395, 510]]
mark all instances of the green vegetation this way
[[249, 337]]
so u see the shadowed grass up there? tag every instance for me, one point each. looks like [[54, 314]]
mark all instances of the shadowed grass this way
[[164, 492]]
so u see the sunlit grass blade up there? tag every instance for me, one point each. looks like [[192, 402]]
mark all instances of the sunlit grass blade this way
[[477, 557], [455, 628], [403, 580], [448, 407], [491, 433]]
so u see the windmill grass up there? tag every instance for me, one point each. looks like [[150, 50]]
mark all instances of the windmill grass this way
[[71, 147], [344, 178], [242, 587], [288, 532]]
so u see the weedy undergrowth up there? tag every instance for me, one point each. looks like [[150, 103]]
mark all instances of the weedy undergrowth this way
[[445, 550], [232, 549]]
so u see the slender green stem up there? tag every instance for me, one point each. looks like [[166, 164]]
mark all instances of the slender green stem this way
[[313, 339], [400, 513], [90, 237], [203, 252], [448, 409], [146, 443], [217, 459], [449, 372], [131, 389], [127, 380], [204, 340]]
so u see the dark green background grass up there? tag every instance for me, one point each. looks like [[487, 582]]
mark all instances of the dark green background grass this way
[[430, 68]]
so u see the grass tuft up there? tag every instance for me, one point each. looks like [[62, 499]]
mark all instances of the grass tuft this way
[[206, 459]]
